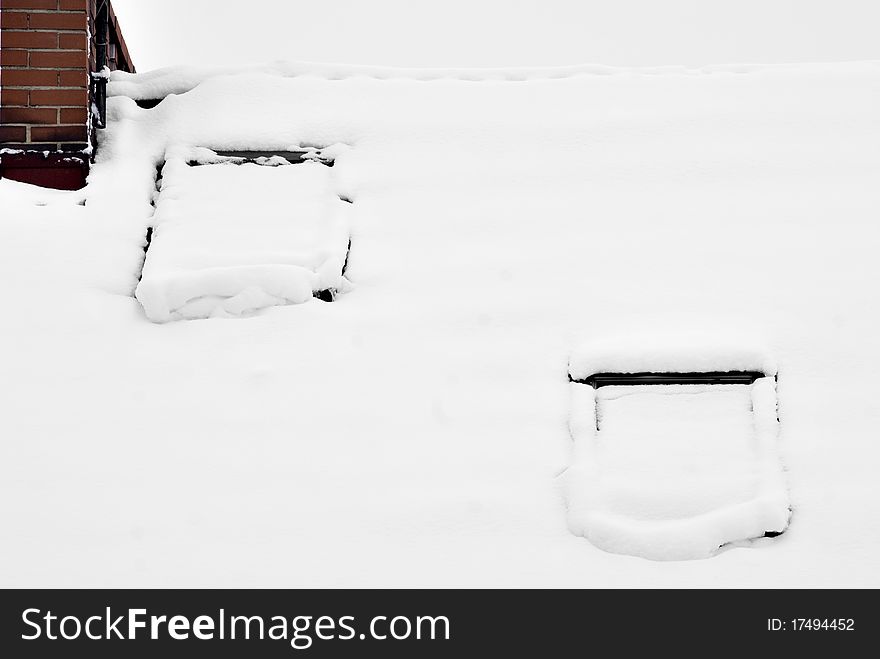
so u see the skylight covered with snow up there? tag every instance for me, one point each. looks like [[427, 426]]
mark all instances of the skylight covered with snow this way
[[232, 236]]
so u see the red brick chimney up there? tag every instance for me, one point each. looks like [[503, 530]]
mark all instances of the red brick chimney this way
[[47, 91]]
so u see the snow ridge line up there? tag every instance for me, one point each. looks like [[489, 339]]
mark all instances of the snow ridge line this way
[[178, 80]]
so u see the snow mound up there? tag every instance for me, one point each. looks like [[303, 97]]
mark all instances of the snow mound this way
[[674, 472], [180, 79], [670, 351], [231, 238]]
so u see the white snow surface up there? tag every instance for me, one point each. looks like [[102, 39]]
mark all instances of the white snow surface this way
[[415, 431], [698, 348]]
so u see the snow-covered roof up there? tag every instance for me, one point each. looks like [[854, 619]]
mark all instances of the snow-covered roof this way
[[499, 221]]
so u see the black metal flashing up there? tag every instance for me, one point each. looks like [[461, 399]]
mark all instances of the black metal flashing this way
[[290, 156], [259, 157], [630, 379], [98, 80]]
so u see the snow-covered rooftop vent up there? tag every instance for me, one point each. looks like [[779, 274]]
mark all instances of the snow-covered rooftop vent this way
[[675, 451], [235, 232]]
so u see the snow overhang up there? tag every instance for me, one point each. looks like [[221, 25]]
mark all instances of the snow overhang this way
[[678, 357]]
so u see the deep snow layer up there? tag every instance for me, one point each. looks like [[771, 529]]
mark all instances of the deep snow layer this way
[[412, 432]]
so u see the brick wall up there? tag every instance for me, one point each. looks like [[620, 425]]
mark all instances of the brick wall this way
[[46, 90], [44, 77]]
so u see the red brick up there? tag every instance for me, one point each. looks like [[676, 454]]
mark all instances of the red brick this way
[[29, 115], [58, 133], [73, 78], [58, 59], [79, 5], [30, 4], [13, 97], [13, 57], [13, 133], [13, 39], [72, 40], [74, 116], [64, 97], [64, 171], [56, 21], [14, 20], [29, 78]]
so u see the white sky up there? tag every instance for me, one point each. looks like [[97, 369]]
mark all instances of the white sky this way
[[499, 32]]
